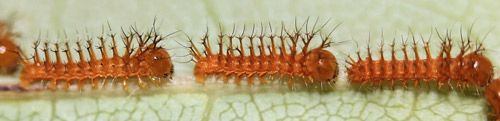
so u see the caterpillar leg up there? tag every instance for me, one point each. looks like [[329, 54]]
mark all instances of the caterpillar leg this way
[[53, 84], [428, 84], [141, 83], [250, 79], [156, 81], [125, 85], [440, 84], [104, 83], [392, 83], [237, 80], [262, 79], [113, 82], [378, 84], [25, 83], [225, 78], [405, 84], [308, 82], [81, 83], [200, 78], [290, 83], [93, 82], [67, 84]]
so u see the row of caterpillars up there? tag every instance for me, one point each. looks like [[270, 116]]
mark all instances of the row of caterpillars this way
[[292, 56]]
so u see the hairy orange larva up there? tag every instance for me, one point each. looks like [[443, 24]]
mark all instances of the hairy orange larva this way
[[470, 68], [147, 60], [275, 56]]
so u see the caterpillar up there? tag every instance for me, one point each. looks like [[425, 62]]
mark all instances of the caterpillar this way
[[8, 51], [148, 59], [470, 68], [315, 66], [492, 94]]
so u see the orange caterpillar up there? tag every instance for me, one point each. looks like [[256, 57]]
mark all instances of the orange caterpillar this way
[[470, 68], [8, 51], [492, 94], [147, 60], [315, 66]]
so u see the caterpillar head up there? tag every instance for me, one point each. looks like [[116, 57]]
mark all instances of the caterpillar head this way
[[8, 51], [159, 61], [477, 69], [321, 65]]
